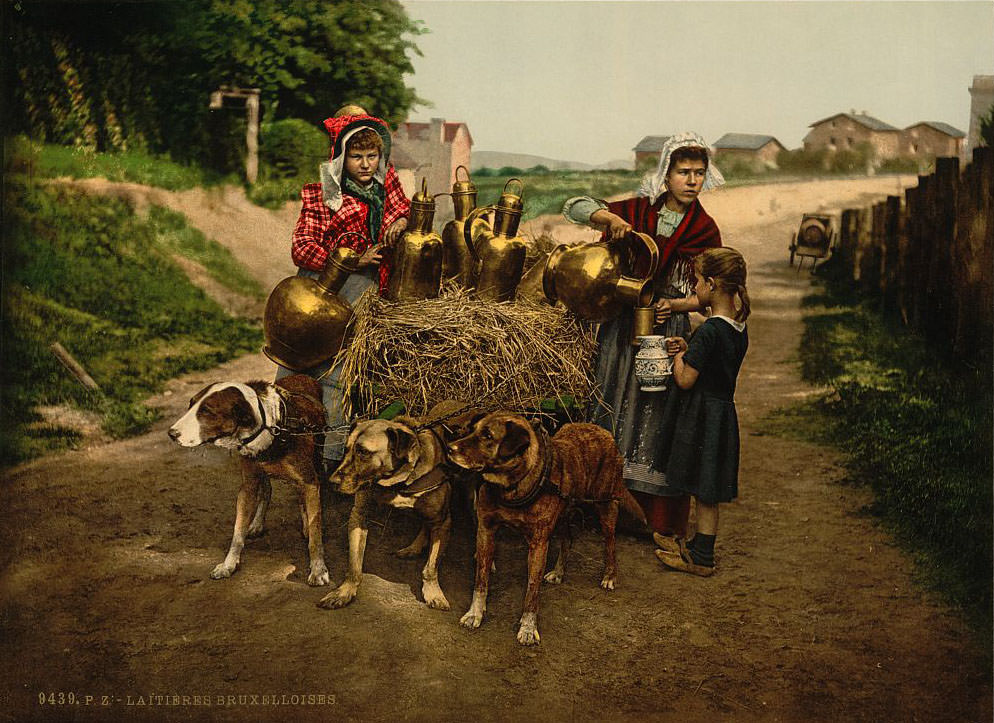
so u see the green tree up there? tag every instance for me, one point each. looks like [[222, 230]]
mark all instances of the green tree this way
[[987, 128], [100, 74]]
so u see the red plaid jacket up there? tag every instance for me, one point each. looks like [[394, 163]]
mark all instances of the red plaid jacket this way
[[318, 229]]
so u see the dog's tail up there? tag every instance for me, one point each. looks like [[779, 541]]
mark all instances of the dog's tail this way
[[630, 505]]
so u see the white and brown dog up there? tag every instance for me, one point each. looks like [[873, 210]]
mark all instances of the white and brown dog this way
[[277, 429], [398, 463]]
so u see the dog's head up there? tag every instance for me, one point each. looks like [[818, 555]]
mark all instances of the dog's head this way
[[219, 413], [379, 451], [498, 442]]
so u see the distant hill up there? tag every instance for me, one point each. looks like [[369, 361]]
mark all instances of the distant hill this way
[[499, 159]]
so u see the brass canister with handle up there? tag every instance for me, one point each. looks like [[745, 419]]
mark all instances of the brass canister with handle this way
[[416, 271], [458, 259], [499, 250]]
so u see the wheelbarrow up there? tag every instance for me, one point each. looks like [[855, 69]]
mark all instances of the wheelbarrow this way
[[813, 239]]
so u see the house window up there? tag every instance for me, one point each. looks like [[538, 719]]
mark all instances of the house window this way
[[831, 141], [849, 141]]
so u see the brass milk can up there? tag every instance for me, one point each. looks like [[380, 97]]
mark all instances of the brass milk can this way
[[417, 258], [501, 251], [306, 322], [458, 259], [593, 280]]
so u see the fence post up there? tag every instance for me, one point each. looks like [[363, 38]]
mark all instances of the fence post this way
[[906, 244], [889, 254], [940, 313], [848, 224]]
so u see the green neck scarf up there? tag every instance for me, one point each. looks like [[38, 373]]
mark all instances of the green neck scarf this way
[[373, 196]]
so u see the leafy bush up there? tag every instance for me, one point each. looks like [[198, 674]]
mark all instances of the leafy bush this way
[[292, 147], [86, 272], [901, 165], [802, 161]]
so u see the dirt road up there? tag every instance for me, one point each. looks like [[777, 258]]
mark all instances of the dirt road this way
[[812, 615]]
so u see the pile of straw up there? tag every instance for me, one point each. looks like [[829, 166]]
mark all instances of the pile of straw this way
[[508, 355]]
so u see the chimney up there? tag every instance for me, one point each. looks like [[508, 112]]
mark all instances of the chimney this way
[[436, 130]]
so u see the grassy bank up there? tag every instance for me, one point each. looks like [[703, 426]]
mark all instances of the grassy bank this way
[[916, 425], [87, 273]]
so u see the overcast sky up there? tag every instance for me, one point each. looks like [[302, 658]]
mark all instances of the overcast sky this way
[[585, 81]]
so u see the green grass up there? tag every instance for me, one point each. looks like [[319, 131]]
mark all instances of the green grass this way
[[175, 235], [86, 272], [916, 426], [49, 160]]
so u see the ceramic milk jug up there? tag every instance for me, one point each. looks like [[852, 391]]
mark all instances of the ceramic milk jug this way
[[653, 366]]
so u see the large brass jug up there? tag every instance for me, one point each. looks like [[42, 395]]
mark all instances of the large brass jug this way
[[595, 280], [458, 258], [306, 323], [500, 250], [416, 272]]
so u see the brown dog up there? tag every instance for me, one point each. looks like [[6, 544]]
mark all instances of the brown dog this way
[[398, 463], [529, 480], [247, 418]]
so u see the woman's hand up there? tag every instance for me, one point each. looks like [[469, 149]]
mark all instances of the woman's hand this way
[[675, 345], [617, 227], [664, 309], [371, 256], [393, 233]]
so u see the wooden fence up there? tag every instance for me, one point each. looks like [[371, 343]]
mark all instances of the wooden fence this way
[[929, 257]]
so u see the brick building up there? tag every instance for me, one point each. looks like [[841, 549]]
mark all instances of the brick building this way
[[846, 131], [756, 151], [433, 150], [647, 151], [931, 139]]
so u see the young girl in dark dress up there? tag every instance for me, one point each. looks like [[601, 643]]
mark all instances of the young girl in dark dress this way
[[700, 430]]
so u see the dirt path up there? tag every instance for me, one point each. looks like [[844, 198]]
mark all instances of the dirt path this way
[[812, 616]]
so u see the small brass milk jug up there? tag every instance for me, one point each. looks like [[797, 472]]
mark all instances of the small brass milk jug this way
[[458, 259], [306, 323], [417, 259], [501, 251]]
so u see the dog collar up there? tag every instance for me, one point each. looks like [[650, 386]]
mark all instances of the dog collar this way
[[541, 482], [244, 443]]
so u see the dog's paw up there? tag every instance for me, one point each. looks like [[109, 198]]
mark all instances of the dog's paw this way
[[256, 529], [528, 631], [434, 597], [471, 620], [223, 571], [406, 553], [338, 598], [608, 583], [553, 577], [319, 575]]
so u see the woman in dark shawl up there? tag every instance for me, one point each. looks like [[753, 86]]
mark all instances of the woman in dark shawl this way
[[667, 209]]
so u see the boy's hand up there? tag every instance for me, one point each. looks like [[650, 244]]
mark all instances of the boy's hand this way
[[393, 233], [675, 345], [371, 256], [664, 309]]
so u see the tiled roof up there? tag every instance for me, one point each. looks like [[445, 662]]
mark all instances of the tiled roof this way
[[650, 144], [874, 124], [744, 141], [942, 128]]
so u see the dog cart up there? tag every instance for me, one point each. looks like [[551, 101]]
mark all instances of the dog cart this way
[[813, 239]]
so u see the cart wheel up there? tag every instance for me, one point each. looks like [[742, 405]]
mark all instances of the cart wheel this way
[[792, 256], [792, 247]]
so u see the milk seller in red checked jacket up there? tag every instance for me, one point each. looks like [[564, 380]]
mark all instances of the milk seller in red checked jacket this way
[[359, 203]]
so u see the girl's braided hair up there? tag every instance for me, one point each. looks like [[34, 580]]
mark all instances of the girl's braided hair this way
[[726, 267]]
